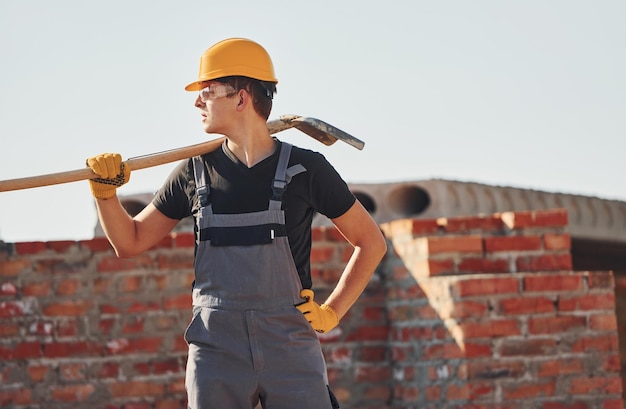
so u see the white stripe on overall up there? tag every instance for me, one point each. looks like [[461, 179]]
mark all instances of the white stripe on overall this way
[[247, 341]]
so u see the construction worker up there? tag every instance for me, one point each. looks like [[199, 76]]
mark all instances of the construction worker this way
[[252, 335]]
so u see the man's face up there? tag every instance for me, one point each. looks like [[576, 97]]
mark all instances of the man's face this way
[[214, 102]]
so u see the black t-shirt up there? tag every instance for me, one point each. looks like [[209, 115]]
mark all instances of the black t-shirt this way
[[235, 188]]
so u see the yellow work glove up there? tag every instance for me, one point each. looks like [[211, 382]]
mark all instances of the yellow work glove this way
[[322, 318], [113, 174]]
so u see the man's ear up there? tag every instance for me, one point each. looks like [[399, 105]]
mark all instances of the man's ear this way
[[244, 99]]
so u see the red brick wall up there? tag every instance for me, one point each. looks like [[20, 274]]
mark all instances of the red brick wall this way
[[472, 313]]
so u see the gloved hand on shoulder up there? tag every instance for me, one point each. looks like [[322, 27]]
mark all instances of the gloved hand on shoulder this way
[[322, 318], [113, 174]]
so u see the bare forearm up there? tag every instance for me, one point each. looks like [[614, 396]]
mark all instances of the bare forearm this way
[[356, 276]]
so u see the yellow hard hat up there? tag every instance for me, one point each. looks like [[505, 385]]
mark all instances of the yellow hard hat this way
[[234, 56]]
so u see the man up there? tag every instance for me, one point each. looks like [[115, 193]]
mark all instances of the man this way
[[251, 338]]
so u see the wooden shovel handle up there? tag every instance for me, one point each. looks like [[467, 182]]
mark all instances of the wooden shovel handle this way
[[141, 162]]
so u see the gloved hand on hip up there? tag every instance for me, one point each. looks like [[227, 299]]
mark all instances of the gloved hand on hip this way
[[322, 318], [113, 174]]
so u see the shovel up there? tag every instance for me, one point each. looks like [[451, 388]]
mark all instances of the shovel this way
[[317, 129]]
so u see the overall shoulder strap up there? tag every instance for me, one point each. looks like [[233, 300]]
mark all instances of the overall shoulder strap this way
[[279, 184], [283, 175], [202, 188]]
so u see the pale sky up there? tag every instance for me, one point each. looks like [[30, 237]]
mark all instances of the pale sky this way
[[528, 94]]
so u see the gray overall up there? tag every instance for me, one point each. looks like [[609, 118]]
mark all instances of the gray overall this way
[[247, 341]]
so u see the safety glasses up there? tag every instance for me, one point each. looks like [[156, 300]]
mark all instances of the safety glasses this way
[[215, 91]]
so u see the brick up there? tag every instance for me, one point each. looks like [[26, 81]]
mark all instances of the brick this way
[[560, 367], [30, 248], [456, 392], [179, 302], [129, 346], [485, 286], [544, 262], [114, 264], [67, 327], [322, 254], [168, 404], [587, 302], [138, 307], [37, 373], [138, 405], [600, 343], [133, 326], [65, 349], [484, 265], [467, 309], [449, 350], [72, 372], [476, 349], [10, 397], [481, 390], [170, 366], [373, 353], [98, 244], [528, 390], [23, 350], [538, 218], [512, 243], [552, 282], [468, 224], [10, 268], [67, 287], [37, 289], [556, 324], [421, 227], [372, 374], [451, 244], [67, 308], [377, 394], [167, 242], [610, 363], [493, 369], [39, 327], [334, 235], [107, 370], [184, 240], [8, 328], [8, 289], [562, 405], [600, 279], [135, 389], [525, 305], [366, 333], [612, 403], [431, 268], [490, 329], [557, 241], [603, 322], [132, 283], [73, 393], [61, 246], [19, 308], [407, 393], [102, 285], [528, 347], [605, 385], [175, 261]]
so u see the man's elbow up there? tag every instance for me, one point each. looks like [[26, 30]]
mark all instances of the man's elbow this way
[[376, 246], [381, 247], [125, 252]]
